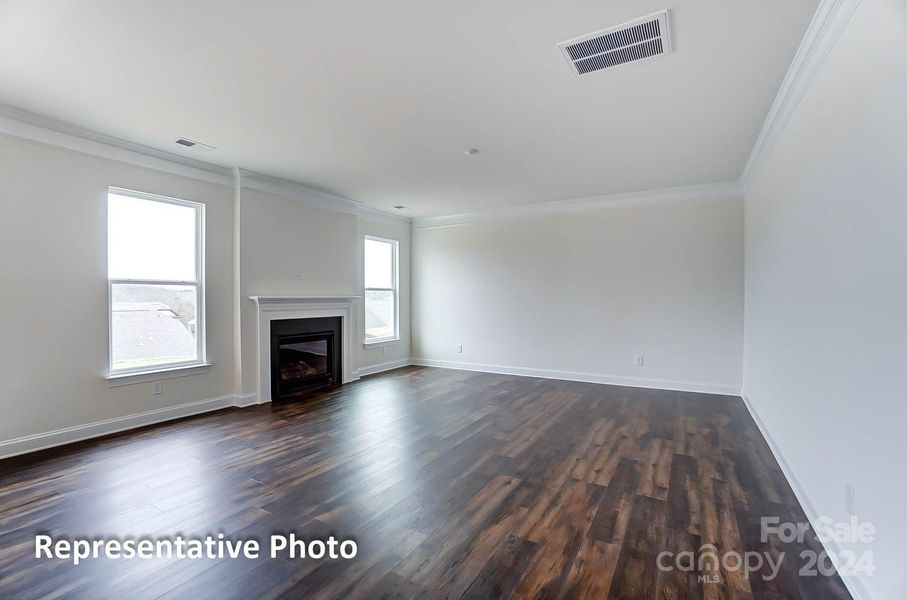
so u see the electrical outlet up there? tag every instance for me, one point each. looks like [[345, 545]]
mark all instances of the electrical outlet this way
[[156, 387], [460, 349], [850, 499], [640, 360], [384, 350]]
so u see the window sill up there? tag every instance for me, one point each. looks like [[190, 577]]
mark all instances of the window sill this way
[[382, 343], [120, 379]]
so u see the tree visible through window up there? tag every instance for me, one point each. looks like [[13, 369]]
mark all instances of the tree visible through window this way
[[154, 269], [380, 290]]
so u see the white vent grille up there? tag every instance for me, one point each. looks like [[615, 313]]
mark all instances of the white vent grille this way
[[193, 144], [638, 39]]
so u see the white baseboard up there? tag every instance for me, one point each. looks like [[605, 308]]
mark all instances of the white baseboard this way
[[245, 400], [381, 367], [78, 433], [854, 584], [658, 384], [68, 435]]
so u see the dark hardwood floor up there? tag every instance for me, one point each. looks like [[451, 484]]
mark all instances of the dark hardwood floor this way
[[454, 484]]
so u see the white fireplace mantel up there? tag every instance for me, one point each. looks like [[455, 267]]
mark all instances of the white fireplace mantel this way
[[272, 308]]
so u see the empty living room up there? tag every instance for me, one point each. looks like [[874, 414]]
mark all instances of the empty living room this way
[[561, 299]]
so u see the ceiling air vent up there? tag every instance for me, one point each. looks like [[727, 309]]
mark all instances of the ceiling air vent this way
[[638, 39], [193, 144]]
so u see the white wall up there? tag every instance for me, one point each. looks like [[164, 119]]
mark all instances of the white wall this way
[[53, 314], [826, 293], [588, 292], [289, 247], [53, 311]]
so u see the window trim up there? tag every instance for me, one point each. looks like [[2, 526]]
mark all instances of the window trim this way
[[172, 369], [395, 270]]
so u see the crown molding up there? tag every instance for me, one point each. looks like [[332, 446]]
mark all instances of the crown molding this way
[[28, 126], [376, 215], [823, 32], [312, 195], [283, 187], [35, 128], [706, 191], [828, 23]]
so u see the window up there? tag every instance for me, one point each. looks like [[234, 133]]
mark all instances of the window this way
[[155, 271], [380, 290]]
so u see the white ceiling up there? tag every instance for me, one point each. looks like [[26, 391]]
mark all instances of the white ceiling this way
[[377, 100]]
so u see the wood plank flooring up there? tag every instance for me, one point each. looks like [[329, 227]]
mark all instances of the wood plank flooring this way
[[453, 484]]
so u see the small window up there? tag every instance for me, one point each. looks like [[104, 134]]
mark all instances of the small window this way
[[155, 271], [380, 290]]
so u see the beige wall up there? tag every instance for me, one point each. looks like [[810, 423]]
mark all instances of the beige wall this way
[[588, 292], [53, 313]]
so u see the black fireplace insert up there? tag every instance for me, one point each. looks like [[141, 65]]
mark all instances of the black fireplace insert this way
[[305, 355]]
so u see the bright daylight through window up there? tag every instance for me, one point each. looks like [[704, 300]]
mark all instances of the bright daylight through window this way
[[380, 290], [155, 274]]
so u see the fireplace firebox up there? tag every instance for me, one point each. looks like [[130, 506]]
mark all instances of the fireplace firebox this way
[[305, 355]]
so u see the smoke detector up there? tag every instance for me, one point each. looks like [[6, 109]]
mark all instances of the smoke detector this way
[[639, 39]]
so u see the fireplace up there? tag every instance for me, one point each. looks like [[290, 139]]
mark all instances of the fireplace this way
[[305, 355], [300, 309]]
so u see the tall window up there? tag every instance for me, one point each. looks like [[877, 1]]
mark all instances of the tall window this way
[[380, 290], [155, 271]]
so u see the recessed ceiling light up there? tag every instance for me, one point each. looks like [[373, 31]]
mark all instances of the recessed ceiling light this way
[[471, 151]]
